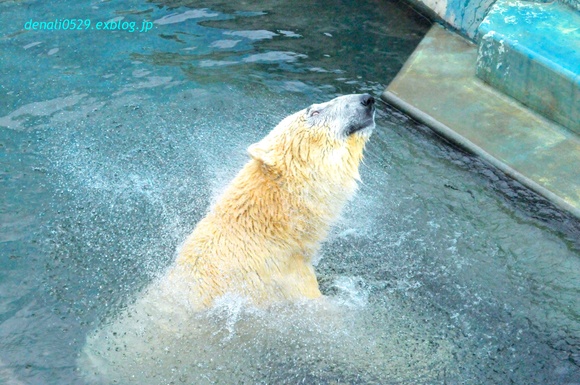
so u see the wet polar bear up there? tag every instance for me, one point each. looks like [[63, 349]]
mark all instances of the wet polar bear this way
[[259, 239], [257, 243]]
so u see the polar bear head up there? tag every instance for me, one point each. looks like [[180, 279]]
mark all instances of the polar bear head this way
[[344, 116], [325, 139]]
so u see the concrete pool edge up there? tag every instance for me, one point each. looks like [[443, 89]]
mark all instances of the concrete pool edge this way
[[467, 112]]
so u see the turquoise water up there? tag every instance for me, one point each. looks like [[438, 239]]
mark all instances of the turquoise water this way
[[113, 144]]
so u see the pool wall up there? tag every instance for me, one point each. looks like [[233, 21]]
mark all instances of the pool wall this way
[[464, 16], [503, 80]]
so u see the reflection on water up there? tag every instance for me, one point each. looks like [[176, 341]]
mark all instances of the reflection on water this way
[[114, 144]]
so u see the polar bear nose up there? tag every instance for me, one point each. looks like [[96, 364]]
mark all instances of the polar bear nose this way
[[367, 100]]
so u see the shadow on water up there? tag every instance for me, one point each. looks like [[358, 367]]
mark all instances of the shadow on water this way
[[114, 144]]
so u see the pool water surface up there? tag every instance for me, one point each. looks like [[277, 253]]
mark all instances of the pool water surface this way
[[113, 144]]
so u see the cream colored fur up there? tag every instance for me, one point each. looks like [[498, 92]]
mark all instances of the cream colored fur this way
[[259, 239]]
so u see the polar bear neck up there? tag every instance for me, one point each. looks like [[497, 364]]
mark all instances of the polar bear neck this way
[[296, 204]]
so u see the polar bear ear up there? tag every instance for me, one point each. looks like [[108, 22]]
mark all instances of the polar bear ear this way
[[260, 151]]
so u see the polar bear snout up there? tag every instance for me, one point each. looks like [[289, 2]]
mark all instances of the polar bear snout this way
[[367, 100], [368, 104], [363, 118]]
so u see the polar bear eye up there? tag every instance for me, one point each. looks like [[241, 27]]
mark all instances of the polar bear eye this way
[[310, 112], [314, 110]]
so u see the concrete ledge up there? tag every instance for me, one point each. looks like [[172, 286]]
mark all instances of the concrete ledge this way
[[531, 52], [438, 87]]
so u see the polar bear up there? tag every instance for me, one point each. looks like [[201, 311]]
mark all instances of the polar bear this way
[[259, 239], [257, 243]]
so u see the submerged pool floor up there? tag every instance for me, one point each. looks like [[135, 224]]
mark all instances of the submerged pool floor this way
[[113, 145]]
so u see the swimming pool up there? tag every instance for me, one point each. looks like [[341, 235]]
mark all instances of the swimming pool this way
[[114, 144]]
